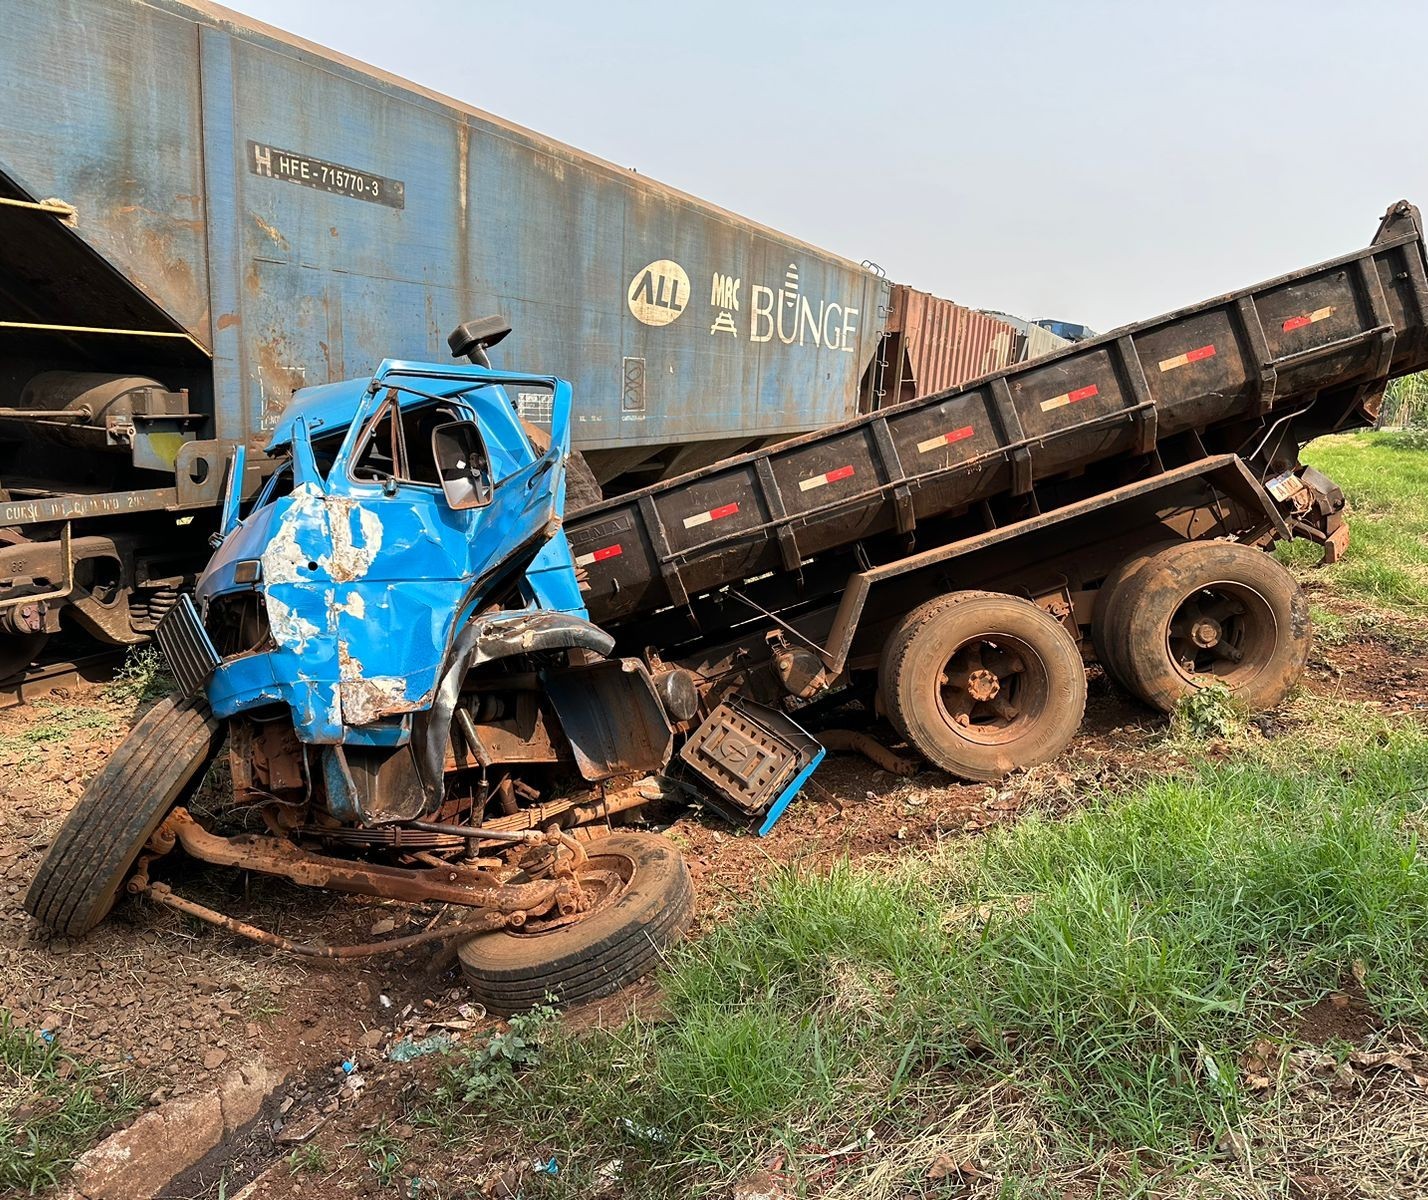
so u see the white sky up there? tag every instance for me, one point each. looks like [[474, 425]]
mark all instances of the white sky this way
[[1096, 161]]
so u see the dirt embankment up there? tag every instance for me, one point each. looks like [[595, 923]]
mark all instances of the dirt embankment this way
[[182, 1003]]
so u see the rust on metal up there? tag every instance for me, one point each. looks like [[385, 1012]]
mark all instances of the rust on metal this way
[[870, 748], [934, 344], [456, 883], [485, 923]]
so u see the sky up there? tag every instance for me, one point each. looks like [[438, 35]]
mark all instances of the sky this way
[[1094, 162]]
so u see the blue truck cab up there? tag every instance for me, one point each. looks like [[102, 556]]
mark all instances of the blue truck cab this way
[[402, 505], [411, 534]]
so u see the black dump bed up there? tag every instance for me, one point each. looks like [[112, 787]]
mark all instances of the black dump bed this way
[[1330, 334]]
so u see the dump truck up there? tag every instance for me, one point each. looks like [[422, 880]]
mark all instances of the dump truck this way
[[428, 676]]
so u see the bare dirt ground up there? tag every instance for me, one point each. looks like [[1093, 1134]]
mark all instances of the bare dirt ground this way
[[182, 1003]]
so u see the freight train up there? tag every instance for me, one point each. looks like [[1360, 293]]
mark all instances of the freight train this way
[[200, 214]]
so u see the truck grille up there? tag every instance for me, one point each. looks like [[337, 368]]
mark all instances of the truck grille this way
[[185, 646]]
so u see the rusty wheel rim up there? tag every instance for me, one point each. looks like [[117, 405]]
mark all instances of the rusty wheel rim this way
[[992, 688], [604, 878], [1221, 633]]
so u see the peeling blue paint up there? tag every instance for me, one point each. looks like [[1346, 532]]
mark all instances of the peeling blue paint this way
[[366, 584]]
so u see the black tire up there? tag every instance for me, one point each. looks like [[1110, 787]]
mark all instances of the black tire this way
[[615, 945], [1108, 614], [1205, 613], [155, 767], [1023, 695], [18, 651]]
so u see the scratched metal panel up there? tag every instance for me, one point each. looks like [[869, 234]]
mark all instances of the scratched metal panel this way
[[674, 320], [99, 107]]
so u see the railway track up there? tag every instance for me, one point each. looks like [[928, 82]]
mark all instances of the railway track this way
[[42, 678]]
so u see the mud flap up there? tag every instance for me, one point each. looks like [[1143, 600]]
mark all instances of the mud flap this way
[[612, 717], [751, 759], [373, 784]]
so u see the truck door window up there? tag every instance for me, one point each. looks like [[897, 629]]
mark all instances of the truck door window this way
[[417, 426], [378, 456], [397, 444]]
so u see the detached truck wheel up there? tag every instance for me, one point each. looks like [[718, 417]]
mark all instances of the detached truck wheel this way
[[1204, 613], [983, 683], [155, 767], [649, 904]]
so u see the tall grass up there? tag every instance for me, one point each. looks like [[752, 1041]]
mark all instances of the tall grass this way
[[1106, 971], [1405, 404], [1385, 477], [52, 1107]]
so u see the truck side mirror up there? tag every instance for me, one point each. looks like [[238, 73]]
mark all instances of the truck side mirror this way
[[462, 464], [471, 339]]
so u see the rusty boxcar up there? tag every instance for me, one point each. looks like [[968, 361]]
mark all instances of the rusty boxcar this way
[[930, 344]]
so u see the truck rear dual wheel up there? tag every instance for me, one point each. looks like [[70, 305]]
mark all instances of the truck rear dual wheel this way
[[623, 938], [155, 767], [1108, 617], [983, 683], [1205, 613]]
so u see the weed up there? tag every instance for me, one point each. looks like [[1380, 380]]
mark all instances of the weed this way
[[1209, 712], [52, 1107], [261, 1003], [1083, 988], [54, 722], [383, 1152], [144, 676], [1405, 405], [308, 1160], [1385, 477], [495, 1061]]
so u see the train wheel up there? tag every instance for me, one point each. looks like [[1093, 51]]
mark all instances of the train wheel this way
[[18, 651], [1205, 613], [647, 904], [1109, 615], [983, 683], [153, 769]]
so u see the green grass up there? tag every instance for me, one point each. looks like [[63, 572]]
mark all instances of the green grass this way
[[53, 1107], [1079, 990], [1406, 402], [54, 722], [308, 1160], [383, 1153], [1385, 477]]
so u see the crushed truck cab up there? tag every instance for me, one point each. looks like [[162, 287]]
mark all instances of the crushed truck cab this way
[[411, 537], [341, 593]]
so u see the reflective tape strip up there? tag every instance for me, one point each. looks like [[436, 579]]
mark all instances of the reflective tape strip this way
[[584, 560], [714, 514], [1318, 314], [817, 481], [1066, 398], [1182, 360], [944, 439]]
